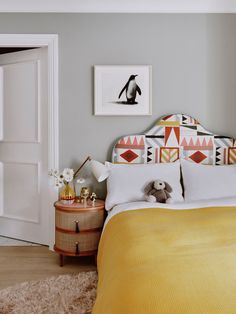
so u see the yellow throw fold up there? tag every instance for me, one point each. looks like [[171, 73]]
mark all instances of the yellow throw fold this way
[[160, 261]]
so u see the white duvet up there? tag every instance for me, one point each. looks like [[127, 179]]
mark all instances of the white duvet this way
[[229, 201]]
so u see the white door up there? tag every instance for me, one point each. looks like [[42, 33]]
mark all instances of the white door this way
[[24, 146]]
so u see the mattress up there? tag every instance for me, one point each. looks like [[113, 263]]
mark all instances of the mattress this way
[[228, 201]]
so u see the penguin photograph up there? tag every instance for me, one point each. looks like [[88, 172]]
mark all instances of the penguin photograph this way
[[122, 90], [131, 89]]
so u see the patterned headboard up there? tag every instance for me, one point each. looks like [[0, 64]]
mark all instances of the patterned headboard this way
[[173, 137]]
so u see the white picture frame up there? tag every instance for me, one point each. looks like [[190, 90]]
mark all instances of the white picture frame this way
[[122, 90]]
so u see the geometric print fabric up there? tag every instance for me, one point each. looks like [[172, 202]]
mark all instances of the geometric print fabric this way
[[174, 137]]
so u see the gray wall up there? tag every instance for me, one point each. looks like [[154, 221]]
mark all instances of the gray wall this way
[[194, 71]]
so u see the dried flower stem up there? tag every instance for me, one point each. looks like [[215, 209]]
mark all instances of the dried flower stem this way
[[77, 171]]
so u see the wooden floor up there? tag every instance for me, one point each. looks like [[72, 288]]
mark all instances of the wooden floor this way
[[19, 264]]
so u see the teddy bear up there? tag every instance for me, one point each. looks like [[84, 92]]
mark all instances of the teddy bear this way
[[158, 191]]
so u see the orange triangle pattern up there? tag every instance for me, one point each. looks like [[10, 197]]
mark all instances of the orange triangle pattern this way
[[196, 143], [130, 141]]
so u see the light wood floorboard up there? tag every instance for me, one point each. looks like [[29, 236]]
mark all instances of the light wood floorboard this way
[[20, 264]]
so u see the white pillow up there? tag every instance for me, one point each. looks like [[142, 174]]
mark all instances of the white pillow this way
[[126, 183], [203, 182]]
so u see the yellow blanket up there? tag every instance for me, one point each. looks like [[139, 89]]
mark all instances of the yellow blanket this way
[[164, 261]]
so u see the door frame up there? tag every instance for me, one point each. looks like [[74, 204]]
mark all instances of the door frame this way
[[51, 42]]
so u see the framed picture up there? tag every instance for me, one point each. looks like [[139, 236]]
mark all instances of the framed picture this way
[[122, 90]]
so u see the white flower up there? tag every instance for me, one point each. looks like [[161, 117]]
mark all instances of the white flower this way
[[80, 180], [55, 172], [68, 174], [50, 172], [58, 183]]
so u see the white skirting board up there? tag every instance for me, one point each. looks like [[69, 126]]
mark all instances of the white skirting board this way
[[4, 241]]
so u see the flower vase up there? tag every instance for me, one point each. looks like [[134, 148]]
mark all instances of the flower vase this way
[[67, 195]]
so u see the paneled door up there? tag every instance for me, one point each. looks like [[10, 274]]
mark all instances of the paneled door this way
[[24, 145]]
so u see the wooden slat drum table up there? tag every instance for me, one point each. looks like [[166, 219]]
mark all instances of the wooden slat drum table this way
[[78, 228]]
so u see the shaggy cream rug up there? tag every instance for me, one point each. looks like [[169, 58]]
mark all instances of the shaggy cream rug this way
[[65, 294]]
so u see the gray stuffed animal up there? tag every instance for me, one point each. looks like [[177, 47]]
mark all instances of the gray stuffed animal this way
[[158, 191]]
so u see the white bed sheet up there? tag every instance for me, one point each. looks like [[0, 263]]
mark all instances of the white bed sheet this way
[[229, 201]]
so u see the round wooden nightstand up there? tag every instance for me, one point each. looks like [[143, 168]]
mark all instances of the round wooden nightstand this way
[[78, 228]]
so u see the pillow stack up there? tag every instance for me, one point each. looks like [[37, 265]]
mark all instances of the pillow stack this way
[[126, 183], [202, 182]]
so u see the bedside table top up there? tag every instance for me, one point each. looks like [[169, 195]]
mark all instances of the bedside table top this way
[[99, 204]]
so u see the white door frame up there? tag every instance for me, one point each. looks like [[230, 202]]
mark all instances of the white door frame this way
[[51, 42]]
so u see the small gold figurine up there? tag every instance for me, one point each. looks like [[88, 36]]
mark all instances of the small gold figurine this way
[[84, 194], [93, 197]]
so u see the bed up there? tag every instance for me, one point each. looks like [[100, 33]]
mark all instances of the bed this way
[[179, 257]]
